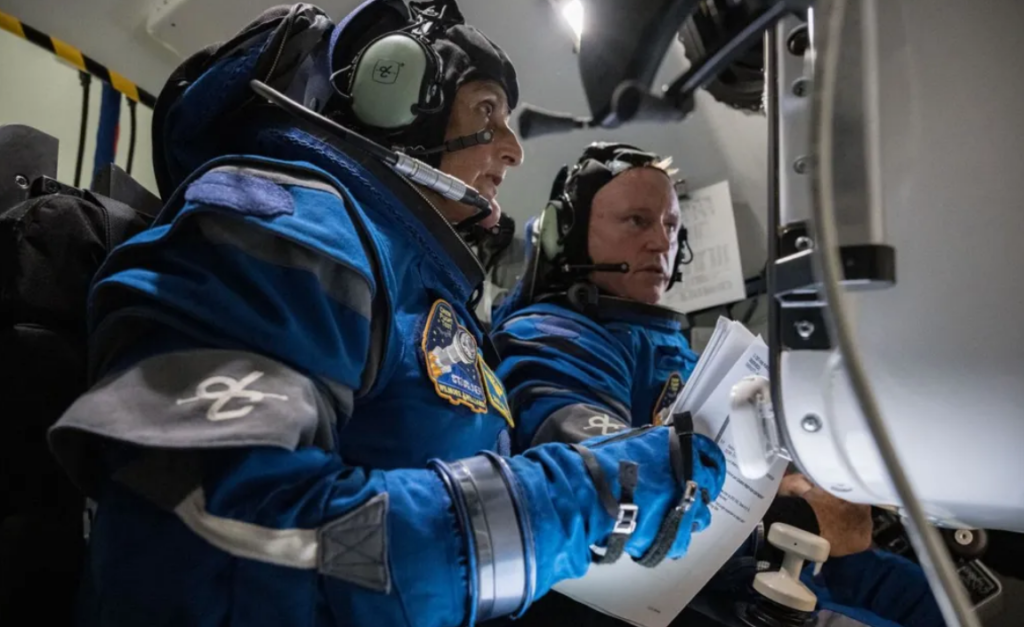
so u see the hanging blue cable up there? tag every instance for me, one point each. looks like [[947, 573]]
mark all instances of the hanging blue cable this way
[[106, 134]]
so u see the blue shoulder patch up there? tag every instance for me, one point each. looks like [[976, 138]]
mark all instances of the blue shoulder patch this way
[[558, 326], [244, 193]]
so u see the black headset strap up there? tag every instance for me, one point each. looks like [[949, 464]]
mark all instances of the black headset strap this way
[[573, 240], [436, 80]]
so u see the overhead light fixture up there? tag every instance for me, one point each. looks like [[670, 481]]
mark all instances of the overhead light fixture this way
[[572, 11]]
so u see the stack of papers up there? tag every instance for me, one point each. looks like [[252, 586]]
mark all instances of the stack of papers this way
[[653, 597]]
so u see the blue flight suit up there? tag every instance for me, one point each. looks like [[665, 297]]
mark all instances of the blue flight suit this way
[[306, 277], [878, 588], [557, 362], [285, 375], [257, 274]]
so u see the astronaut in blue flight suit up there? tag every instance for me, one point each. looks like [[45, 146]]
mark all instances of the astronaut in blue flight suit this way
[[587, 351], [294, 418]]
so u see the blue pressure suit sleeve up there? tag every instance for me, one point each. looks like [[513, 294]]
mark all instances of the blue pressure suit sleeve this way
[[568, 379], [876, 587]]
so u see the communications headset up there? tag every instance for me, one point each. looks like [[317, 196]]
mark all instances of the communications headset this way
[[562, 228], [396, 81]]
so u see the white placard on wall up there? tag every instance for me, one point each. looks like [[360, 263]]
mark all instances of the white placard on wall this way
[[715, 276]]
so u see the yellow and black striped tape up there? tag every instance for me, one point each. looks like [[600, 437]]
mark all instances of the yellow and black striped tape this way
[[75, 57]]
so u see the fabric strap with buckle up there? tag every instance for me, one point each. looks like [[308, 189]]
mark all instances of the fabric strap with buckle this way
[[625, 516], [624, 510], [681, 455]]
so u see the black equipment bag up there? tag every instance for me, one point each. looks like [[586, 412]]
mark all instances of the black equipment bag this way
[[51, 246]]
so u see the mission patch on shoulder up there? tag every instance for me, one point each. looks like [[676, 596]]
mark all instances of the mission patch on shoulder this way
[[450, 352]]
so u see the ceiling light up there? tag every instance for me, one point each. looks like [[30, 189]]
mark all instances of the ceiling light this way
[[572, 11]]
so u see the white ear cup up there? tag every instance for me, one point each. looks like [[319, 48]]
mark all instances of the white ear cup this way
[[549, 232], [388, 80]]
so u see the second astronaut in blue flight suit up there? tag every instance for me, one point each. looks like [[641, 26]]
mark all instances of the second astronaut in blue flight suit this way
[[586, 351], [585, 348], [294, 418]]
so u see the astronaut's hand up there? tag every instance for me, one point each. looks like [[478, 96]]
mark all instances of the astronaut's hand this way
[[846, 526], [676, 479], [574, 498]]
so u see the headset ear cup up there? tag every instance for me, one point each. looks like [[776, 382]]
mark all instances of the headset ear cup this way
[[549, 236], [389, 80]]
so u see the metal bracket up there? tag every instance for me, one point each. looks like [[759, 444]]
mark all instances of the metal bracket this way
[[865, 266], [794, 238]]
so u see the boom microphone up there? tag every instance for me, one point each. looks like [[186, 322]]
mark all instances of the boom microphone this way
[[596, 267], [485, 136]]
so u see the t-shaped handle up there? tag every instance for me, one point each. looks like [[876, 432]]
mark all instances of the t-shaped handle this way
[[784, 586]]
